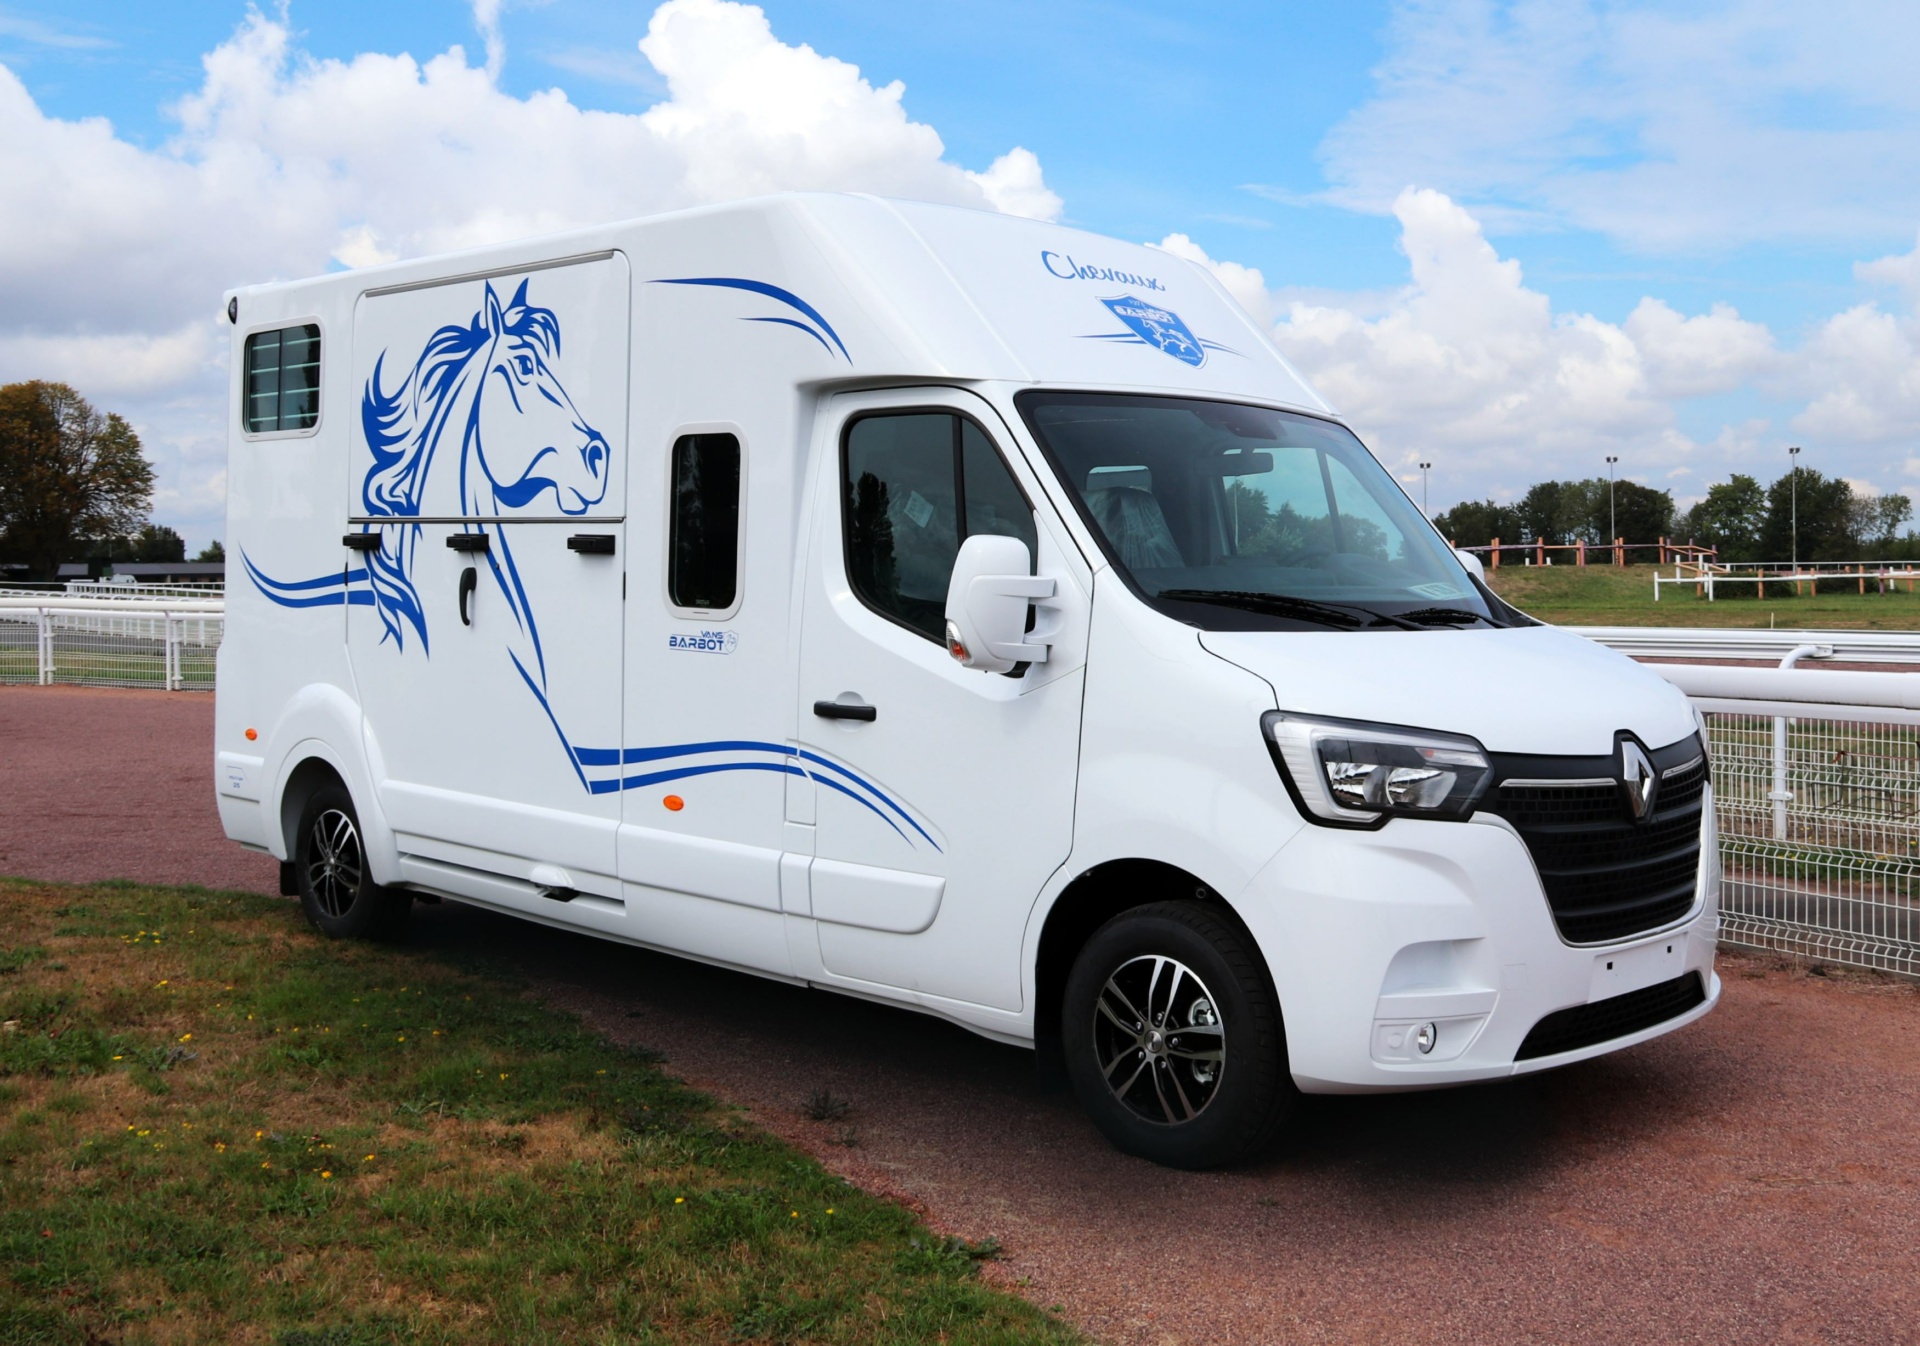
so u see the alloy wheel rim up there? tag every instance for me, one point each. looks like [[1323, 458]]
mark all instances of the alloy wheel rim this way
[[334, 862], [1159, 1040]]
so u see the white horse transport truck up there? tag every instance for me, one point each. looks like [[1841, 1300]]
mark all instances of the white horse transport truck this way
[[953, 610]]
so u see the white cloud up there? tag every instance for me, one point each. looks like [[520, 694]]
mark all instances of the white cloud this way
[[1013, 184], [113, 257], [1470, 362], [1693, 127], [1467, 366], [118, 364], [1244, 283]]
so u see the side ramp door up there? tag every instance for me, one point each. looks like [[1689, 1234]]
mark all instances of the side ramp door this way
[[486, 498]]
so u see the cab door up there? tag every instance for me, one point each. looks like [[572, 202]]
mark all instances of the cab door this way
[[941, 797], [486, 498]]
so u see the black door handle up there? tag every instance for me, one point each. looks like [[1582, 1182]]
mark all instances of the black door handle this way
[[834, 710], [591, 544], [469, 542], [468, 579], [361, 541]]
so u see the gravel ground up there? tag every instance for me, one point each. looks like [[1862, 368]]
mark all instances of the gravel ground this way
[[1750, 1179]]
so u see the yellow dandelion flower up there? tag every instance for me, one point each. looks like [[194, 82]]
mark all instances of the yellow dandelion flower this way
[[188, 1037], [503, 1074], [369, 1159], [326, 1173], [264, 1163], [679, 1201]]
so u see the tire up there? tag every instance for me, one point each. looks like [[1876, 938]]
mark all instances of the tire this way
[[1213, 1088], [336, 887]]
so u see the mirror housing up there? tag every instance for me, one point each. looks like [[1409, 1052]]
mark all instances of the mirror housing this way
[[987, 601], [1475, 567]]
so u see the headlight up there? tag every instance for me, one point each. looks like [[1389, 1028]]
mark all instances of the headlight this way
[[1349, 771]]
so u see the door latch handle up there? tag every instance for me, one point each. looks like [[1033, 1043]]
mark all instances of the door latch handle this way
[[835, 710], [591, 544], [470, 542], [468, 579], [361, 541]]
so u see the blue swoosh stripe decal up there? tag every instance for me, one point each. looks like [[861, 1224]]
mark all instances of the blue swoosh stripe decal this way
[[794, 322], [323, 591], [605, 757], [787, 297], [865, 785]]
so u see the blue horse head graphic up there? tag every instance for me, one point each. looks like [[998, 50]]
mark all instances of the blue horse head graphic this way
[[493, 382]]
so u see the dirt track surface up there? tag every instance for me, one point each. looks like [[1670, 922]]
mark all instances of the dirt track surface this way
[[1755, 1178]]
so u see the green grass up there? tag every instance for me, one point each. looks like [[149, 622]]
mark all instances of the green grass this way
[[216, 1126], [1609, 596]]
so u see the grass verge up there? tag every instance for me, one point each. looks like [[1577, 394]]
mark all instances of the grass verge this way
[[217, 1126], [1608, 596]]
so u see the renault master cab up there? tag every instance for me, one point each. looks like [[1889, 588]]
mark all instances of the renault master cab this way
[[952, 610]]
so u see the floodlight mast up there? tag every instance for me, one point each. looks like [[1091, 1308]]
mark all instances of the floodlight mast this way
[[1424, 469], [1793, 489], [1613, 528]]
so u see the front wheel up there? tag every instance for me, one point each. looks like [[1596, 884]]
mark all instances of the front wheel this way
[[1173, 1037], [336, 887]]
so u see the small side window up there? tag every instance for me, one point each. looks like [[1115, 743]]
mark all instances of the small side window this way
[[917, 485], [703, 534], [282, 383]]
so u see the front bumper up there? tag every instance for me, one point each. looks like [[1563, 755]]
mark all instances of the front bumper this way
[[1371, 935]]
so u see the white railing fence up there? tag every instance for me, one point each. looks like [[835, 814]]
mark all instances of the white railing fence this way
[[1816, 780], [142, 640]]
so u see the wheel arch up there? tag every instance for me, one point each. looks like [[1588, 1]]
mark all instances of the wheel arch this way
[[1089, 901]]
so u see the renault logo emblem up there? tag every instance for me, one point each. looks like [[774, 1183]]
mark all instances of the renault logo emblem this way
[[1638, 778]]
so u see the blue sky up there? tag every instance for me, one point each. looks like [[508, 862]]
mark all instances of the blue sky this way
[[1754, 155]]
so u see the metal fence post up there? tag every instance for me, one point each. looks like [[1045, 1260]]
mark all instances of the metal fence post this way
[[44, 628], [1780, 794]]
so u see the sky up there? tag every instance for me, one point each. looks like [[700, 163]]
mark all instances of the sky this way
[[1507, 237]]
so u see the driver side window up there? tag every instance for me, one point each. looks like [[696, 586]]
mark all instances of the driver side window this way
[[914, 486]]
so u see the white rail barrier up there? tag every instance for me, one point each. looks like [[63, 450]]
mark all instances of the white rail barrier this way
[[166, 643], [1816, 776], [1676, 642]]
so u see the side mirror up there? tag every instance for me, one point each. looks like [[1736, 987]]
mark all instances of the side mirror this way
[[987, 601], [1472, 563]]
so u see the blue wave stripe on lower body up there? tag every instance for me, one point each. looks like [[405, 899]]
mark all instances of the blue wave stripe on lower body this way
[[322, 591]]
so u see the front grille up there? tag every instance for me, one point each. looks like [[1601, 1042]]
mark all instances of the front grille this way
[[1569, 1030], [1607, 876]]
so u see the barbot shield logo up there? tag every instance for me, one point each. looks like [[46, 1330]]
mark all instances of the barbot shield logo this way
[[1150, 325]]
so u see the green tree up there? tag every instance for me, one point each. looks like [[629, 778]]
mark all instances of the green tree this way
[[1730, 518], [1876, 520], [1475, 523], [69, 475], [1638, 513], [213, 551], [155, 542], [1826, 514]]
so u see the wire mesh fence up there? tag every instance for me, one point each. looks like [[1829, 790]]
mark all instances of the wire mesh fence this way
[[1820, 835], [142, 647]]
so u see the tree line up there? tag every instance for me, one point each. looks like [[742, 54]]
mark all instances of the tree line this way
[[75, 485], [1743, 519]]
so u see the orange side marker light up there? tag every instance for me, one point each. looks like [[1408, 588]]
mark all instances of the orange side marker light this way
[[674, 803], [252, 734]]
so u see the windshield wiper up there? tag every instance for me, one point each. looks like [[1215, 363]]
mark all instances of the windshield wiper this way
[[1447, 616], [1347, 615]]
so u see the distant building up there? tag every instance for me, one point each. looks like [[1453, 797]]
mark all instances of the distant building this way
[[148, 572]]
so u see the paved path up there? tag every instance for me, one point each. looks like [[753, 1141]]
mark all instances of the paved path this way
[[1755, 1178]]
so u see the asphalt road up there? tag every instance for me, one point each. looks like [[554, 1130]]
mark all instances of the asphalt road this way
[[1749, 1179]]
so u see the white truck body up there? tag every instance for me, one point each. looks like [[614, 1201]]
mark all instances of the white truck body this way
[[582, 750]]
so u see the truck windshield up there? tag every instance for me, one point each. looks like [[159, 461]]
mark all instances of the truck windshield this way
[[1234, 517]]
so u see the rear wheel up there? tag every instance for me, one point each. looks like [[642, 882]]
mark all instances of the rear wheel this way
[[1173, 1037], [336, 887]]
